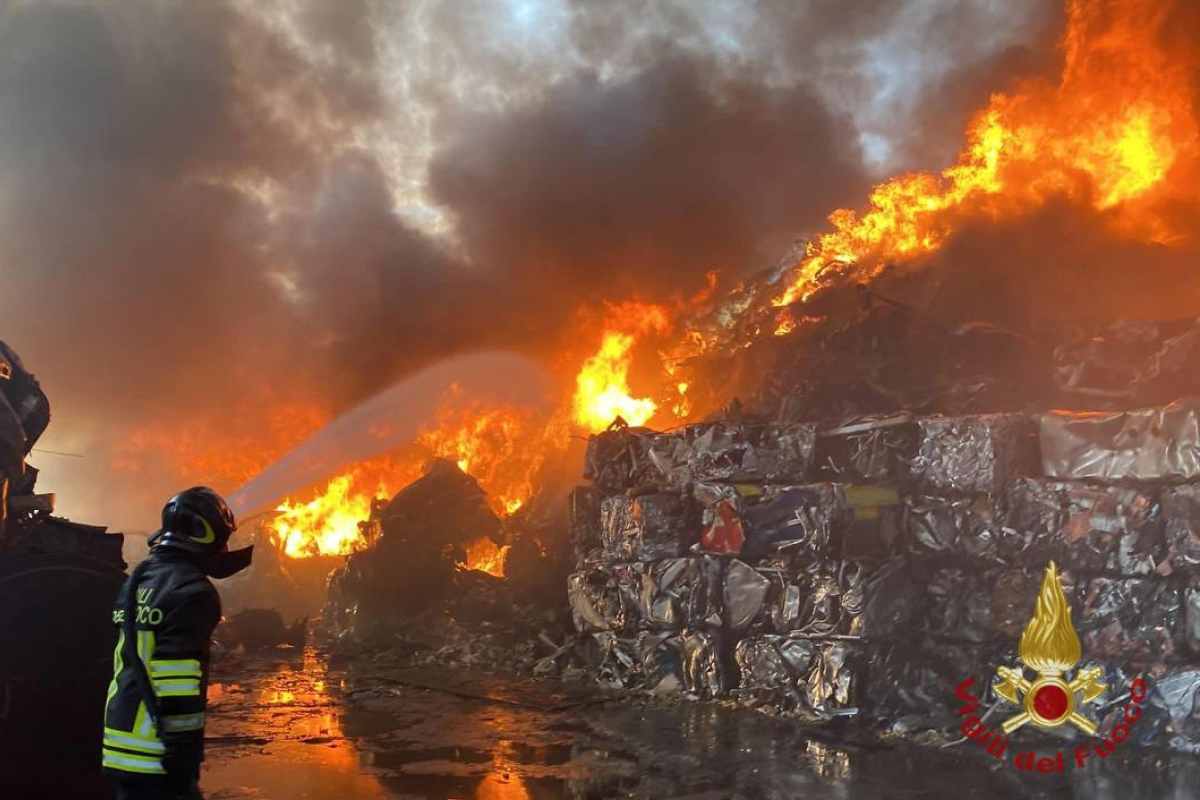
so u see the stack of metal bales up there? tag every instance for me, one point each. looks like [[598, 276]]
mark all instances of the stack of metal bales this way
[[867, 568]]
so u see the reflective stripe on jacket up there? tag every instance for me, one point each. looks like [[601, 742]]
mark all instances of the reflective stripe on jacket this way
[[175, 612]]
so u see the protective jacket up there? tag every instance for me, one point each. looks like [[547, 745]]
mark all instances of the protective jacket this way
[[154, 716]]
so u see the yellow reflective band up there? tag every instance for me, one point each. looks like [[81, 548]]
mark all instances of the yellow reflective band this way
[[129, 762], [178, 687], [123, 739], [118, 665], [183, 722], [175, 668]]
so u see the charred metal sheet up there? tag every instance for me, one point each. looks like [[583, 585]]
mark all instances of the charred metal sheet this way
[[682, 592], [1181, 513], [1092, 528], [975, 454], [1149, 444], [1131, 361], [908, 681], [733, 452], [646, 528]]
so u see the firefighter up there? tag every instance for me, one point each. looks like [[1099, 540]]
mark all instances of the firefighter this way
[[165, 616]]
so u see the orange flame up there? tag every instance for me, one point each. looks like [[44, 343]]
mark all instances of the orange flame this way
[[1109, 132], [484, 555]]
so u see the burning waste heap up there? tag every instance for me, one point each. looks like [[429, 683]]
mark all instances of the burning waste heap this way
[[865, 565]]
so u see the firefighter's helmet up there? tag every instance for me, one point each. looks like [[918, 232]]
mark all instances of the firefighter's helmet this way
[[198, 520]]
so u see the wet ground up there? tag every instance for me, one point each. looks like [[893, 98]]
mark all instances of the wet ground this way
[[290, 727]]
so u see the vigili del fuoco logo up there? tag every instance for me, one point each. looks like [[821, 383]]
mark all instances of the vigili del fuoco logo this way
[[1052, 696]]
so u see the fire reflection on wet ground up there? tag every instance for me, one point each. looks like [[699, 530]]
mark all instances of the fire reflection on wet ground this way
[[290, 728]]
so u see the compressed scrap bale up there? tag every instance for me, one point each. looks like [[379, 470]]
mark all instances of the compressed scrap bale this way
[[583, 520], [1181, 515], [867, 450], [1149, 444], [1092, 528], [605, 598], [909, 683], [745, 594], [1188, 624], [960, 604], [661, 657], [645, 528], [704, 672], [682, 592], [1134, 619], [615, 661], [733, 452], [973, 454], [1014, 593], [833, 685], [1175, 694], [961, 526], [616, 459], [772, 670], [846, 598]]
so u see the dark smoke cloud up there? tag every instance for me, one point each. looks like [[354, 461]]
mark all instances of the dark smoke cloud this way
[[197, 220]]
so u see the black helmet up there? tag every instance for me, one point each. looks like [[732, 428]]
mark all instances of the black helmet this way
[[197, 520]]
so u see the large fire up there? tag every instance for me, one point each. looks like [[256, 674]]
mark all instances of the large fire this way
[[1117, 132], [1110, 131]]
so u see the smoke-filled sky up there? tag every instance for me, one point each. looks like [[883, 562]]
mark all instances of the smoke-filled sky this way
[[214, 215]]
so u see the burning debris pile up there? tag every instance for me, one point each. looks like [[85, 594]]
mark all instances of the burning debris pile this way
[[866, 565], [448, 577]]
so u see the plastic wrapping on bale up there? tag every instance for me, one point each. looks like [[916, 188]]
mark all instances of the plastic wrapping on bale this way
[[646, 528], [1092, 528], [1181, 515], [1135, 619], [703, 664], [721, 528], [733, 452], [963, 526], [605, 598], [682, 592], [1149, 444], [973, 454], [867, 450]]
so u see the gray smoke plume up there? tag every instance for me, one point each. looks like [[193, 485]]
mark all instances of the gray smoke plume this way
[[211, 209]]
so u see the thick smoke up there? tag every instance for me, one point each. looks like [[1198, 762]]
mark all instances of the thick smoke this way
[[212, 211]]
